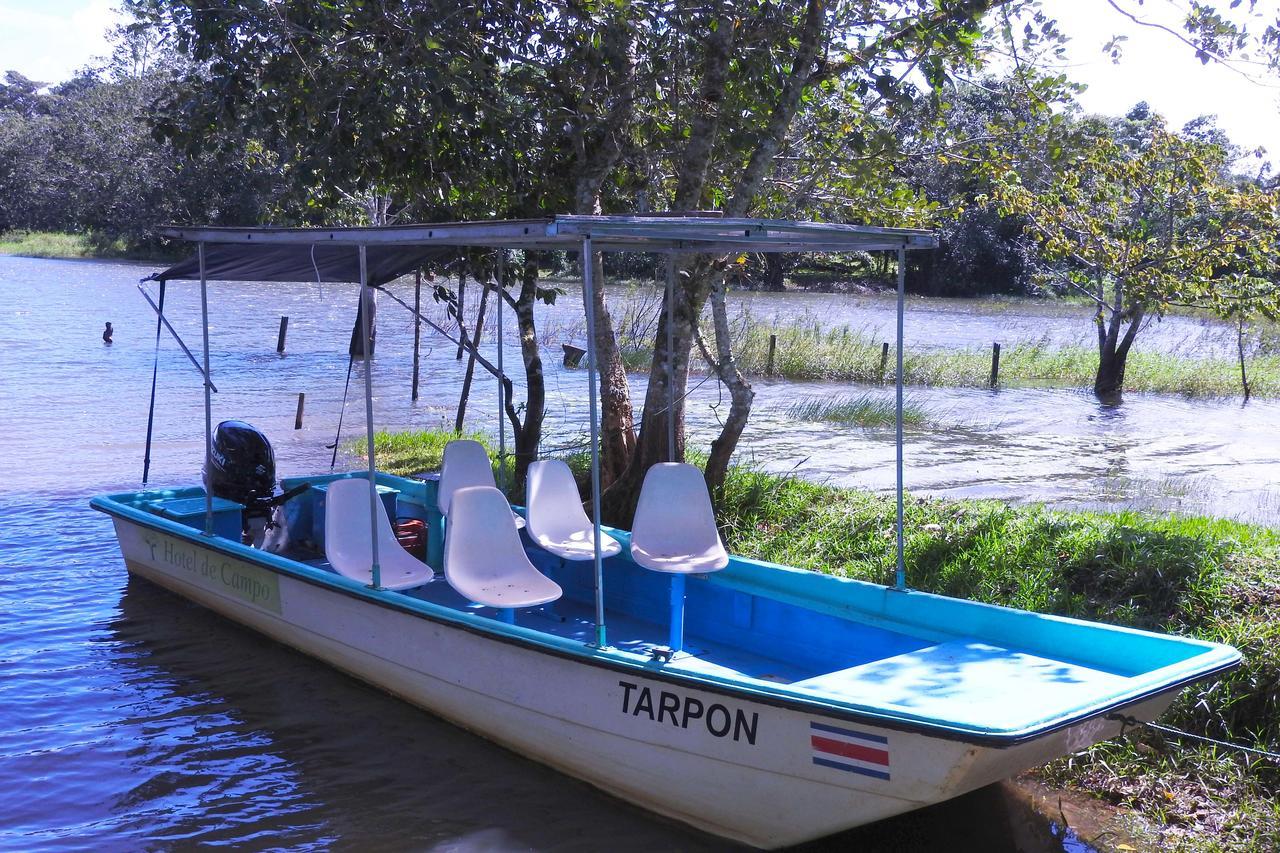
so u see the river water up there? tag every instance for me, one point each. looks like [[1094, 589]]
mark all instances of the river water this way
[[130, 718]]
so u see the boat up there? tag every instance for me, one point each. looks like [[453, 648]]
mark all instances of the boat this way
[[760, 703]]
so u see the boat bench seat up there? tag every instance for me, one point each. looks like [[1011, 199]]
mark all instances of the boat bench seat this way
[[971, 683]]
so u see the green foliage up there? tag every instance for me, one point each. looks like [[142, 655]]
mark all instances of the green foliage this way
[[1137, 218], [81, 158]]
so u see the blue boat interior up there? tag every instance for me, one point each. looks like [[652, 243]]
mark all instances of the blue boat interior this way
[[906, 655]]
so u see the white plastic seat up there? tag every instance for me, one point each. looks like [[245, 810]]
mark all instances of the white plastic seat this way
[[675, 528], [349, 547], [483, 558], [557, 522], [465, 464]]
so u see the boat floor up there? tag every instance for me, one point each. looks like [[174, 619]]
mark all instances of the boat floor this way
[[573, 620], [963, 680]]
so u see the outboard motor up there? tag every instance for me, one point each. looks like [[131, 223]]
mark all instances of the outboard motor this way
[[242, 467]]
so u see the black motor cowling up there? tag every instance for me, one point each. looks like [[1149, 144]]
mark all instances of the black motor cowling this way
[[241, 466]]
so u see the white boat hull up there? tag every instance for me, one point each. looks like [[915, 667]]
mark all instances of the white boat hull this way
[[730, 765]]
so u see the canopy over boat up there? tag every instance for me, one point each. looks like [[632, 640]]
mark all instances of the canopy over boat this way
[[324, 254]]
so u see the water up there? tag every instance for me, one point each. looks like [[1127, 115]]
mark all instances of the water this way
[[130, 718]]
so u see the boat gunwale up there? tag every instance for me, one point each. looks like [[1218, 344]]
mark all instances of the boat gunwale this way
[[630, 663]]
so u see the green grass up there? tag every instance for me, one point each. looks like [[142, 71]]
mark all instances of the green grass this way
[[406, 453], [866, 410]]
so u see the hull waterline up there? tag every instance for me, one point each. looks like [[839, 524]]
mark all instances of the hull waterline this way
[[724, 764]]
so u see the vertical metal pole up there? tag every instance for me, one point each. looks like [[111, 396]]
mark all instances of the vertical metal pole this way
[[208, 393], [366, 298], [901, 582], [671, 357], [588, 298], [417, 330], [155, 373], [502, 385]]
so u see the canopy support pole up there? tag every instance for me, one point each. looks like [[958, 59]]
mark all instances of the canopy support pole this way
[[417, 330], [365, 332], [178, 338], [208, 393], [155, 372], [502, 386], [480, 359], [671, 358], [588, 298], [901, 577]]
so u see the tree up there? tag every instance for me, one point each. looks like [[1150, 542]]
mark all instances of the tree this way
[[1136, 218]]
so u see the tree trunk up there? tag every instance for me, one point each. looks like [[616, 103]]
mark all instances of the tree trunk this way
[[617, 418], [1113, 351], [527, 439], [774, 272], [1244, 377], [740, 393]]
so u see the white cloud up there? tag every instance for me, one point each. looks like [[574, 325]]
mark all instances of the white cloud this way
[[1155, 67], [50, 40]]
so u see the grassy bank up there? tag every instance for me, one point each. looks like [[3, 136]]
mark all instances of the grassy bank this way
[[1214, 579], [805, 351], [47, 244], [58, 244]]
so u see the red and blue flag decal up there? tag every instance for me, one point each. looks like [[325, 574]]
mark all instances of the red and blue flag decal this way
[[850, 750]]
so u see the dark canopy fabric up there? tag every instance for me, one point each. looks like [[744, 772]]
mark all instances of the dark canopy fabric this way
[[303, 262]]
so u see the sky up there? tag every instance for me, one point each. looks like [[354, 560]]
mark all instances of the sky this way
[[48, 40]]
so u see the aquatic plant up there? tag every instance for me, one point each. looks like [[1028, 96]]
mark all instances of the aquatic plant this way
[[866, 410]]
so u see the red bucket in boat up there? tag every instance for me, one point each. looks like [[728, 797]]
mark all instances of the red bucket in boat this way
[[412, 535]]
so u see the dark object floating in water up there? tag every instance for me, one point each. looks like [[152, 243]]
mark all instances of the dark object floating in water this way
[[572, 354], [107, 333]]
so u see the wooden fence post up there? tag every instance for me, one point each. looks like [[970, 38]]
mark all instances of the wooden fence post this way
[[284, 327], [297, 419], [884, 360], [773, 346], [995, 364]]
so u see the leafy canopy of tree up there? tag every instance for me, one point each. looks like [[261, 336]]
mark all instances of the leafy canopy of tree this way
[[1137, 218]]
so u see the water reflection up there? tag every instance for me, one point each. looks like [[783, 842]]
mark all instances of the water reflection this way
[[236, 739]]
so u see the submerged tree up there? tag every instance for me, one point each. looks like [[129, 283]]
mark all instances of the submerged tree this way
[[1136, 218]]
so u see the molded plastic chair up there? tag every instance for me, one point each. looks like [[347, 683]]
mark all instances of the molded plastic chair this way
[[349, 548], [465, 464], [675, 532], [483, 558], [675, 528], [557, 522]]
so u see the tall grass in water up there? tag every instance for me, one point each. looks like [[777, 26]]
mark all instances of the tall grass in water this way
[[805, 351], [866, 410]]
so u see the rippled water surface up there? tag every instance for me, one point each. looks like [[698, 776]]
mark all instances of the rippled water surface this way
[[133, 719]]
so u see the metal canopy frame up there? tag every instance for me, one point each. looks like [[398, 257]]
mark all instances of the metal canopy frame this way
[[608, 233], [588, 235]]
